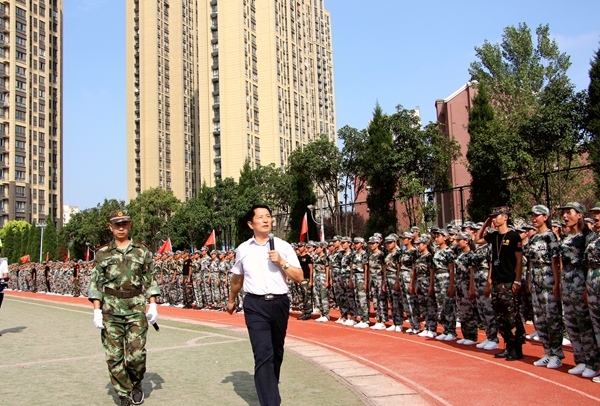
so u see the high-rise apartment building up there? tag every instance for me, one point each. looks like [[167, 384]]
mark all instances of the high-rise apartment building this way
[[213, 83], [31, 147]]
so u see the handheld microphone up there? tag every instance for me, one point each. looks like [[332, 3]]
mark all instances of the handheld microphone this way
[[155, 325], [271, 241]]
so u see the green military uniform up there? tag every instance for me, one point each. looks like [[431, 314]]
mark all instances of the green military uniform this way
[[119, 278]]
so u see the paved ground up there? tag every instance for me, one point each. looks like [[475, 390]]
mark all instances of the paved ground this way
[[382, 368]]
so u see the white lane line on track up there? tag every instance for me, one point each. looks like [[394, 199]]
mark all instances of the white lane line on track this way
[[453, 351]]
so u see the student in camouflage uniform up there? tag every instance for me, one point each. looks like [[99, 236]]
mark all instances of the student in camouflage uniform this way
[[348, 309], [392, 287], [223, 281], [187, 288], [197, 281], [335, 265], [376, 276], [215, 282], [205, 275], [578, 321], [157, 271], [464, 281], [423, 286], [593, 277], [122, 272], [322, 282], [360, 279], [407, 260], [543, 266], [443, 265], [76, 287]]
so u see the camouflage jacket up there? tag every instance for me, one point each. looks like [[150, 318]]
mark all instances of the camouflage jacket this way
[[320, 264], [463, 264], [482, 257], [391, 262], [346, 260], [123, 271], [541, 248], [335, 260], [592, 251], [376, 261], [359, 260], [408, 258], [422, 265], [442, 259], [572, 249]]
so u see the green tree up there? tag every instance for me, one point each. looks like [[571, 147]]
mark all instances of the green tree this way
[[302, 194], [382, 175], [34, 243], [62, 244], [149, 213], [593, 118], [226, 211], [192, 222], [24, 245], [11, 239], [51, 241]]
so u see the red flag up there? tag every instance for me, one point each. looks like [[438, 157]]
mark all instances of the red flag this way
[[304, 229], [25, 258], [87, 254], [211, 239], [48, 256], [166, 247], [68, 258]]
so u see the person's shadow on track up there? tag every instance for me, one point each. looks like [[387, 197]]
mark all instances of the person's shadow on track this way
[[152, 381], [243, 385], [13, 330]]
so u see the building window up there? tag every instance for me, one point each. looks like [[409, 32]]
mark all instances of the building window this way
[[20, 191], [20, 207], [20, 115]]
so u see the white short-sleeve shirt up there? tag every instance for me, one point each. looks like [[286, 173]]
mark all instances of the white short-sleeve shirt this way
[[261, 276]]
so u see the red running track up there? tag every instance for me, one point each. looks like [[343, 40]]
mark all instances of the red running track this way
[[444, 372]]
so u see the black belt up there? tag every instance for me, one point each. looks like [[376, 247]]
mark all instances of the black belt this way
[[265, 297], [128, 294]]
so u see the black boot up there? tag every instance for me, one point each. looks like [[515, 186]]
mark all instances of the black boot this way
[[503, 354], [516, 354]]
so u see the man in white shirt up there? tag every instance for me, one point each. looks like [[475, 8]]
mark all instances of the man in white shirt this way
[[263, 273], [3, 278]]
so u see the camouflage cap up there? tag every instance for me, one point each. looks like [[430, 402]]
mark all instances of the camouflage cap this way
[[529, 226], [540, 209], [204, 249], [453, 230], [463, 236], [555, 223], [477, 226], [467, 224], [422, 240], [415, 229], [213, 252], [359, 239], [440, 231], [301, 244], [119, 216], [346, 239], [500, 210], [378, 235], [323, 244], [390, 238], [337, 238], [578, 207], [588, 220], [408, 235], [373, 240], [596, 207], [330, 244], [434, 230]]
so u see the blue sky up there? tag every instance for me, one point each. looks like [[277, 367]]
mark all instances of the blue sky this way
[[391, 51]]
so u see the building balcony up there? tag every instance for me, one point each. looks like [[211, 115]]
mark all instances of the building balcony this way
[[4, 43], [4, 72]]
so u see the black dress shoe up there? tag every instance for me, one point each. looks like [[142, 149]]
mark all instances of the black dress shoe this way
[[515, 355], [502, 354], [304, 317]]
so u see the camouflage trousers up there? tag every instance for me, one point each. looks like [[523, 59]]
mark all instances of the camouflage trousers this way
[[189, 296], [578, 321], [379, 298], [176, 293], [446, 310], [223, 292], [508, 318], [427, 304], [484, 305], [321, 294], [76, 287], [525, 299], [215, 290], [341, 298], [349, 296], [199, 291], [305, 297], [292, 292], [41, 284], [467, 309], [206, 291], [548, 320], [361, 297], [124, 342], [395, 299], [335, 288], [410, 301], [164, 291], [593, 294]]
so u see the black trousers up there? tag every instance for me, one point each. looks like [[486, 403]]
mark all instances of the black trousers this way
[[267, 324]]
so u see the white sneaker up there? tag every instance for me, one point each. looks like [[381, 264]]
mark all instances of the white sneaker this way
[[362, 324], [542, 362], [460, 341], [491, 345], [577, 369], [340, 320], [391, 328], [398, 329], [458, 324], [469, 342], [315, 311], [450, 337], [441, 337], [483, 344], [589, 373], [566, 341], [532, 335], [378, 326], [349, 322], [431, 334], [321, 319], [423, 333], [554, 362]]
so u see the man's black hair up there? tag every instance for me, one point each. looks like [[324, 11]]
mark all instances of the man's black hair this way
[[250, 213]]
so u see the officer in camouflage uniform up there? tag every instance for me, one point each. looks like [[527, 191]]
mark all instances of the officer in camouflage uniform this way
[[578, 321], [122, 273], [543, 266], [360, 279]]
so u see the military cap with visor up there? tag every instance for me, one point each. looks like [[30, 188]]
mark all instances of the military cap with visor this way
[[578, 207], [119, 216], [540, 209]]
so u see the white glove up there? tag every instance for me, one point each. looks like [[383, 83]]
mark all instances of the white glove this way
[[98, 319], [152, 313]]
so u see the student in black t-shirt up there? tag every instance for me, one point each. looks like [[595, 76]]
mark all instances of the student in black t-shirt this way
[[305, 287], [504, 281]]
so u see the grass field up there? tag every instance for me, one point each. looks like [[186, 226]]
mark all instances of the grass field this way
[[50, 354]]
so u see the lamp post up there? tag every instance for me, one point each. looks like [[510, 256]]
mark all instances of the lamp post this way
[[311, 207], [42, 226]]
